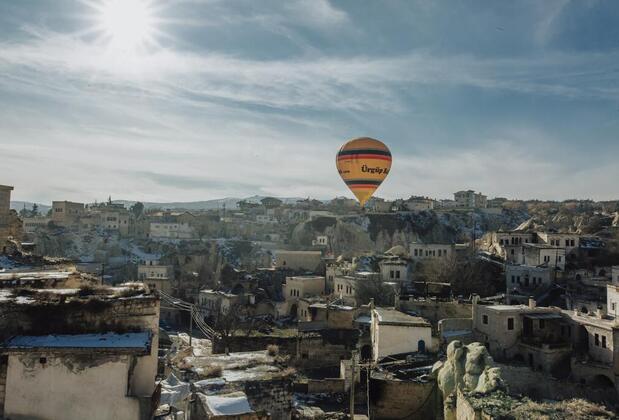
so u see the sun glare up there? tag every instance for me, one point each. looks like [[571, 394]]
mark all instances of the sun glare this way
[[127, 24]]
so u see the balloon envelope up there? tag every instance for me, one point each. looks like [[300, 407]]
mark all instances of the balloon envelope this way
[[363, 164]]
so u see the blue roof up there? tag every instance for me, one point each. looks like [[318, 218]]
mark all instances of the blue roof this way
[[139, 340]]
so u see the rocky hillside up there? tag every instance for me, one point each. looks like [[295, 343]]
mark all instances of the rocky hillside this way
[[379, 232]]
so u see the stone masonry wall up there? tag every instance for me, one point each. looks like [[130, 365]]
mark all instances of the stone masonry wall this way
[[273, 396], [394, 399]]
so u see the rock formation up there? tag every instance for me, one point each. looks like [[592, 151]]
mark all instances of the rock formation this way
[[468, 368]]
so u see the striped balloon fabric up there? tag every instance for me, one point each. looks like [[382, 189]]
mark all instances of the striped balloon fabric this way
[[363, 164]]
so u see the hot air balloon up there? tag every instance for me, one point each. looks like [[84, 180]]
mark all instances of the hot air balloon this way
[[363, 164]]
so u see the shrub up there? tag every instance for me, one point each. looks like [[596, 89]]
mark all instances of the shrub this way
[[213, 371], [272, 350]]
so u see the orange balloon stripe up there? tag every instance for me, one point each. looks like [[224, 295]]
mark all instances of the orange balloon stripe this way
[[352, 157]]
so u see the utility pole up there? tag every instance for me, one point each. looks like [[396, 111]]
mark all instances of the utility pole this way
[[190, 324], [352, 384]]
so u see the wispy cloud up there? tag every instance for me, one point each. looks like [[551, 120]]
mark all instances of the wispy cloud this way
[[188, 123], [355, 83]]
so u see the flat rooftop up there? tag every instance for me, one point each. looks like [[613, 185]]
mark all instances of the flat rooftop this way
[[134, 341], [390, 316]]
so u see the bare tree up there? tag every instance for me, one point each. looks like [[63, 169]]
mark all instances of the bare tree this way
[[374, 288]]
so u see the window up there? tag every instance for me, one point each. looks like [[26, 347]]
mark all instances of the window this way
[[484, 319], [597, 340], [397, 274], [603, 341], [612, 306], [510, 323], [513, 279], [391, 275]]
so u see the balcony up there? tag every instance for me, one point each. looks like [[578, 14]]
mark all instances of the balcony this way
[[540, 343]]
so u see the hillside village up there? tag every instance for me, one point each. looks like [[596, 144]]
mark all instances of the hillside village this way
[[414, 308]]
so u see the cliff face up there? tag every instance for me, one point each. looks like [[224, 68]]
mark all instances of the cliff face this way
[[379, 232]]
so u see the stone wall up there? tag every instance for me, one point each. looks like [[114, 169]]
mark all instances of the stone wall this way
[[466, 411], [287, 345], [395, 399], [434, 311], [272, 396], [79, 317], [538, 385], [321, 349], [325, 386]]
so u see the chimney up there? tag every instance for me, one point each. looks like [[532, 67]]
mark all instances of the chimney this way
[[531, 303], [475, 302]]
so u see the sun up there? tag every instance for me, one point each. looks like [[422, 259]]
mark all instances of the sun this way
[[126, 24]]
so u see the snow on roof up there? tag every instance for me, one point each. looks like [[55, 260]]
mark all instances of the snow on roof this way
[[6, 295], [174, 390], [140, 340], [33, 275], [227, 405], [364, 319]]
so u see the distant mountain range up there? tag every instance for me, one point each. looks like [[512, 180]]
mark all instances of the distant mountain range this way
[[19, 205], [230, 203]]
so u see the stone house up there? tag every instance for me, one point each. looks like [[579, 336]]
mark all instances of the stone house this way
[[567, 344], [394, 332], [546, 255], [470, 199], [79, 355], [66, 213], [156, 276], [117, 218], [170, 230], [568, 241], [396, 269], [212, 302], [298, 260], [417, 204], [298, 288], [334, 269], [522, 281], [421, 251], [533, 335], [10, 223]]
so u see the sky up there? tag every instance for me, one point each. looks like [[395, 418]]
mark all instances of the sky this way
[[232, 98]]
